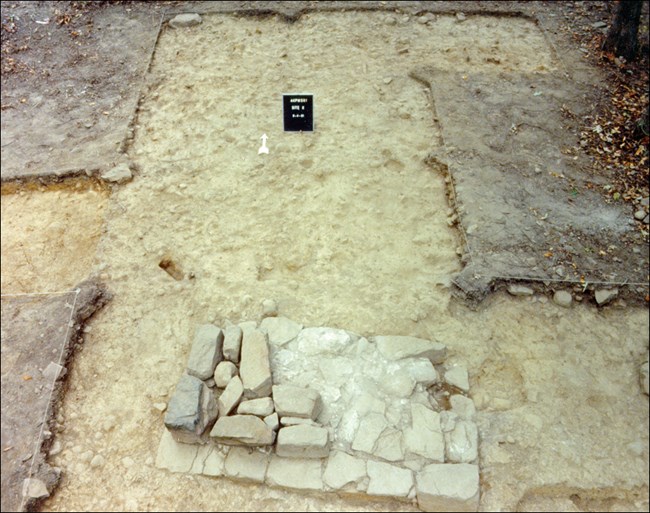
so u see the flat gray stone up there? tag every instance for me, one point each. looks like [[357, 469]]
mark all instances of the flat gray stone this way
[[246, 464], [463, 406], [119, 174], [397, 347], [302, 442], [232, 336], [53, 371], [272, 421], [461, 444], [448, 487], [519, 290], [563, 298], [292, 401], [457, 376], [255, 367], [343, 469], [224, 372], [424, 437], [206, 351], [185, 20], [390, 445], [370, 427], [191, 410], [280, 329], [604, 296], [175, 456], [242, 430], [262, 407], [423, 371], [230, 397], [388, 480], [300, 474], [34, 488]]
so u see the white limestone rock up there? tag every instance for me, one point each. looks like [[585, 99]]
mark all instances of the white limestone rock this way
[[463, 406], [302, 442], [389, 446], [300, 474], [269, 308], [224, 372], [272, 421], [246, 464], [448, 487], [326, 341], [458, 377], [292, 401], [242, 430], [604, 296], [230, 397], [519, 290], [370, 428], [398, 347], [424, 437], [343, 469], [34, 488], [232, 337], [185, 20], [280, 330], [388, 480], [563, 298], [461, 444], [396, 381], [261, 407], [422, 371], [119, 174], [206, 351], [255, 367]]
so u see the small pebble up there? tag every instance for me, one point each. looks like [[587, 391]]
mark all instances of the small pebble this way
[[639, 214], [269, 308], [97, 461], [160, 406]]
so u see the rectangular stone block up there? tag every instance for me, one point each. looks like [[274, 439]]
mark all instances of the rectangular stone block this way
[[206, 351], [425, 437], [255, 367], [295, 473], [302, 441], [242, 430], [191, 410], [262, 407], [389, 480], [292, 401], [448, 487], [232, 336]]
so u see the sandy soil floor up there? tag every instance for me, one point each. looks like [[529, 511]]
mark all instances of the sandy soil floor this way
[[346, 227]]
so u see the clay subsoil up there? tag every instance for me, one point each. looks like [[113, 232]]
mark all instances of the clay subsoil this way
[[437, 175]]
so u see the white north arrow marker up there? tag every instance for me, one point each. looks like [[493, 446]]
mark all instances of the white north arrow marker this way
[[263, 149]]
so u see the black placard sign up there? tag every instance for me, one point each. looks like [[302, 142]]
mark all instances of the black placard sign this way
[[298, 110]]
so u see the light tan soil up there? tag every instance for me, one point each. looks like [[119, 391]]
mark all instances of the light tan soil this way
[[345, 227]]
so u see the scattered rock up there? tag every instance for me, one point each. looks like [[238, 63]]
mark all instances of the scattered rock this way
[[262, 407], [269, 308], [232, 343], [255, 368], [119, 174], [247, 464], [457, 376], [185, 20], [292, 401], [397, 347], [461, 444], [604, 296], [34, 488], [302, 442], [206, 351], [161, 407], [242, 430], [424, 437], [519, 290], [56, 448], [302, 474], [53, 371], [599, 24], [280, 329], [224, 372], [460, 17], [644, 378], [639, 215], [562, 298], [191, 410], [388, 480], [449, 487], [343, 469], [230, 396]]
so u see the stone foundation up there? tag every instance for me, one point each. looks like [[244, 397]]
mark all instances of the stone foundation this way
[[328, 410]]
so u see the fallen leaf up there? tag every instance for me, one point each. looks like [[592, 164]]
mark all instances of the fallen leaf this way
[[26, 377]]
